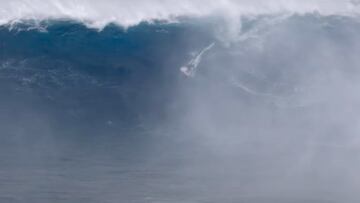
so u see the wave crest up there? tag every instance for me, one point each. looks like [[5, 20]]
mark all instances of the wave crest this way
[[98, 14]]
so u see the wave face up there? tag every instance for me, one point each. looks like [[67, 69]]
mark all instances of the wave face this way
[[79, 68], [261, 109]]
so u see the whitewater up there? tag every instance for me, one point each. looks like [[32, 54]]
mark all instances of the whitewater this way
[[98, 14]]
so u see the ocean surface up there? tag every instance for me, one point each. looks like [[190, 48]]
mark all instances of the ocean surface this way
[[181, 112]]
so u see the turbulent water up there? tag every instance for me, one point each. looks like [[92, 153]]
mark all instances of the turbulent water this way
[[179, 103]]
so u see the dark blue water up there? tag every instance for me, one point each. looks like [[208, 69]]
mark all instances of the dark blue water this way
[[80, 109], [114, 74]]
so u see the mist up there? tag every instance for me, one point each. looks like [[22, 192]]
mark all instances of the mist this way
[[278, 112]]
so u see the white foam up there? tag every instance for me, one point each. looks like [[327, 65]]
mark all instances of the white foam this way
[[98, 13]]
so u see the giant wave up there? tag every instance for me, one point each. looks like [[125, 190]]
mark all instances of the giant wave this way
[[187, 101]]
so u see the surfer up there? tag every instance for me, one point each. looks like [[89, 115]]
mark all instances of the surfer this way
[[190, 69]]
